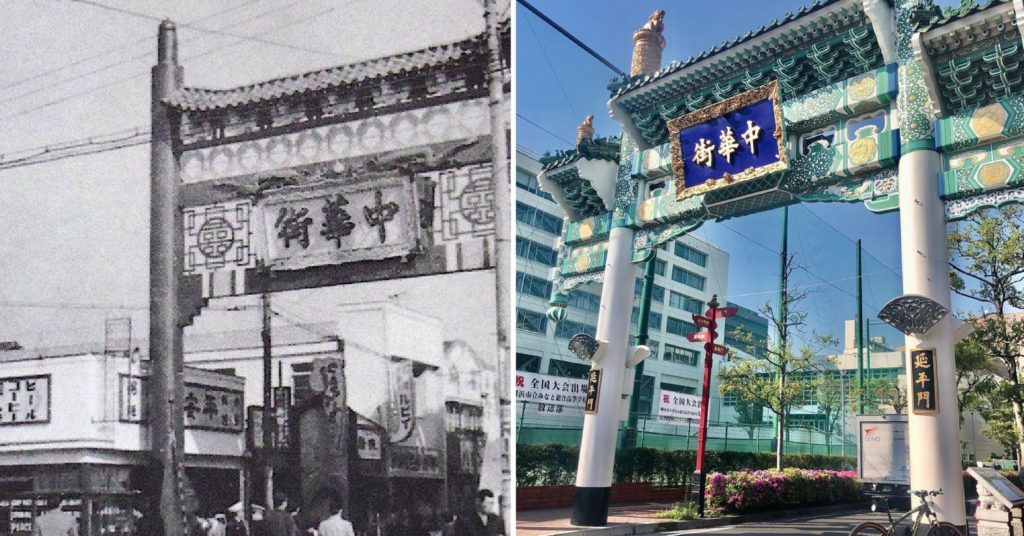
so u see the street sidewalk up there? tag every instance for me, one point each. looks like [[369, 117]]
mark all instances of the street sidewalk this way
[[639, 519]]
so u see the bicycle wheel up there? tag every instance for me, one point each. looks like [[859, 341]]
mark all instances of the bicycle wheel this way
[[869, 529], [944, 529]]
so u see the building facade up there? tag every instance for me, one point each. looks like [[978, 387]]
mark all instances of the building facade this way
[[688, 272]]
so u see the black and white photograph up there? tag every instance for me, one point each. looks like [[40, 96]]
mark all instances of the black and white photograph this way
[[256, 268]]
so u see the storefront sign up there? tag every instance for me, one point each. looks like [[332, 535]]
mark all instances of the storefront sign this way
[[415, 462], [673, 406], [402, 417], [593, 391], [318, 226], [737, 139], [25, 400], [328, 379], [368, 443], [924, 394], [19, 516], [282, 416], [551, 391], [205, 407]]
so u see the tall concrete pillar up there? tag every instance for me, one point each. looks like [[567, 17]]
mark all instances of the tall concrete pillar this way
[[934, 438], [166, 247], [600, 428]]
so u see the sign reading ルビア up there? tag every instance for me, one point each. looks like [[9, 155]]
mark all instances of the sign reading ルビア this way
[[551, 391], [924, 394], [25, 400], [593, 391], [673, 406], [737, 139], [321, 225], [402, 419]]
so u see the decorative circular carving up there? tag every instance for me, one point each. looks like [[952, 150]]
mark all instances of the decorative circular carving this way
[[249, 156], [476, 201], [308, 146], [582, 262], [216, 236], [862, 151], [279, 151], [994, 174], [339, 139], [862, 88]]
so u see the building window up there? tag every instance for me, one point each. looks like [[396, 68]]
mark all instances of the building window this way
[[679, 327], [565, 369], [730, 399], [527, 362], [659, 267], [300, 380], [675, 388], [531, 321], [567, 328], [528, 181], [653, 319], [675, 354], [532, 285], [585, 300], [685, 303], [687, 278], [686, 252], [539, 219], [657, 291], [533, 251]]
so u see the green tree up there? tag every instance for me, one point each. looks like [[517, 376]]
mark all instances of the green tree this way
[[749, 415], [830, 398], [987, 266], [781, 374], [881, 395], [976, 375], [1001, 428]]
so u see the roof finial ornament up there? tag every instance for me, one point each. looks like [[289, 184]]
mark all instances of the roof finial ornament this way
[[647, 45], [585, 132]]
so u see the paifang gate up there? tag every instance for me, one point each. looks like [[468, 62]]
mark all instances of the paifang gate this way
[[892, 103]]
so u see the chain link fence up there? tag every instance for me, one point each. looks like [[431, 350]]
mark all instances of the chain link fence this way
[[539, 423]]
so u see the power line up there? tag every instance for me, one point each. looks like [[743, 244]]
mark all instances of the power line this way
[[571, 37], [202, 29], [520, 116]]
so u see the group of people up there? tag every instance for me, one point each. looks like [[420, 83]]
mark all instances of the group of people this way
[[279, 521]]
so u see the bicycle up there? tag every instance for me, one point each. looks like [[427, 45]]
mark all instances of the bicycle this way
[[938, 528]]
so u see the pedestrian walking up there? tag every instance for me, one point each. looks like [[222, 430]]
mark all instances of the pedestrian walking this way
[[335, 525], [480, 522], [279, 521]]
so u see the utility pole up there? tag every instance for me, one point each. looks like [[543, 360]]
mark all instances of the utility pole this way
[[268, 401], [860, 333], [166, 247], [629, 438], [502, 224]]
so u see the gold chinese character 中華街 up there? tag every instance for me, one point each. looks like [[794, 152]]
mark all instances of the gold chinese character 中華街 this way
[[926, 398], [728, 144], [703, 153], [921, 360], [751, 135], [922, 379]]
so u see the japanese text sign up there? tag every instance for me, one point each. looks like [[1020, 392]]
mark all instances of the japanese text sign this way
[[553, 391], [736, 139], [673, 406], [924, 395], [368, 444], [133, 406], [318, 226], [402, 419], [25, 400], [213, 408], [593, 391], [282, 416]]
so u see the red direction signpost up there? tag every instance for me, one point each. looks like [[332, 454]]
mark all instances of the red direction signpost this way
[[700, 336], [710, 348]]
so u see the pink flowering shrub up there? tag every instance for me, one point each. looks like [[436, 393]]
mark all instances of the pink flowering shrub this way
[[741, 491]]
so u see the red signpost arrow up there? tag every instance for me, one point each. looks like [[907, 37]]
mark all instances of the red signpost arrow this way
[[700, 336], [723, 312], [703, 321], [716, 348]]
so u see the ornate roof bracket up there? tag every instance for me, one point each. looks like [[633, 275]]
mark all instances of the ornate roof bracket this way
[[928, 74], [555, 190]]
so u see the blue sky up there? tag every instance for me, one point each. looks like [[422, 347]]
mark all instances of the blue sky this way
[[558, 84]]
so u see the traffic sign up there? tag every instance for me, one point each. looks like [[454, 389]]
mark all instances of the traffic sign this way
[[716, 348], [722, 312], [704, 322], [698, 337]]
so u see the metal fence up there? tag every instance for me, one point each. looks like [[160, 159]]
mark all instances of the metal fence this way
[[549, 423]]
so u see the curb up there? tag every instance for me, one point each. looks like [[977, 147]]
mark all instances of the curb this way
[[662, 526]]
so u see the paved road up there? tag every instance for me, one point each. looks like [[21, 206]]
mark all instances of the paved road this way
[[826, 525]]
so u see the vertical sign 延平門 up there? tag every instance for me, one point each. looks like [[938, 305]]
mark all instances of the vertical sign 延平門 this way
[[593, 391], [737, 139], [924, 395]]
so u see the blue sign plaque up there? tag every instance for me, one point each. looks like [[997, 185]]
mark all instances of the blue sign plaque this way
[[737, 139]]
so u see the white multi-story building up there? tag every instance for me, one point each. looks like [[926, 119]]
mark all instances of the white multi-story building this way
[[688, 271]]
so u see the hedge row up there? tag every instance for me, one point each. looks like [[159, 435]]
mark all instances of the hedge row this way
[[746, 491], [555, 465]]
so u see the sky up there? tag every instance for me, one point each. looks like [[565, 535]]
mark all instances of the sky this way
[[558, 84], [74, 250]]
